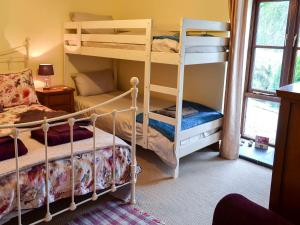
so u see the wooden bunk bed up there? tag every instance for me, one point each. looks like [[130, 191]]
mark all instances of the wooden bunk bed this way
[[137, 47]]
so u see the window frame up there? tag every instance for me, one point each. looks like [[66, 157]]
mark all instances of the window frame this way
[[288, 62]]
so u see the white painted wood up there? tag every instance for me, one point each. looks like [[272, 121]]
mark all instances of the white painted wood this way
[[180, 59], [165, 58], [202, 143], [205, 25], [162, 118], [115, 38], [113, 53], [205, 58], [185, 134], [70, 37], [206, 41], [179, 99], [163, 89], [71, 25], [116, 24]]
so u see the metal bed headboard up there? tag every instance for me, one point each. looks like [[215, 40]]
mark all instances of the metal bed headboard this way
[[8, 56]]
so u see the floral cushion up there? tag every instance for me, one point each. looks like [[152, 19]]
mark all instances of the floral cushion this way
[[17, 89]]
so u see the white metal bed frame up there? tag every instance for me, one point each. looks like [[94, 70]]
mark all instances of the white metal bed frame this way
[[17, 129], [7, 56], [148, 56]]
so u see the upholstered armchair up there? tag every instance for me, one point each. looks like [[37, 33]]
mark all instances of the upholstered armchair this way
[[235, 209]]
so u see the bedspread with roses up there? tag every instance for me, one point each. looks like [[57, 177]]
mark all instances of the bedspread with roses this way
[[33, 181]]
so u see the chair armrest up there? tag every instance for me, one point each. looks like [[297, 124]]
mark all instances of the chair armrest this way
[[235, 209]]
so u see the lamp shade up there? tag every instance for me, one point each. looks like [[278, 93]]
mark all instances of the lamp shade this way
[[45, 70]]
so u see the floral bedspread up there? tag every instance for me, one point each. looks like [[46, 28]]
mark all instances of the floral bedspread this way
[[32, 180]]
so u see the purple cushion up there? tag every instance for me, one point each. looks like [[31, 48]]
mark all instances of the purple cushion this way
[[60, 134], [7, 148], [234, 209]]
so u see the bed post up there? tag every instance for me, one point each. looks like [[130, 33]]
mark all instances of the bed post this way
[[15, 135], [147, 79], [134, 92], [115, 72], [179, 99], [27, 52]]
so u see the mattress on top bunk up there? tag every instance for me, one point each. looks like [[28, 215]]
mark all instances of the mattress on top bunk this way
[[157, 142]]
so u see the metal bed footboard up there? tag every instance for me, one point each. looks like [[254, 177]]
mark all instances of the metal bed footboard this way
[[70, 119]]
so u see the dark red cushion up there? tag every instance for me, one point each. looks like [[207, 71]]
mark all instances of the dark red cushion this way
[[235, 209], [7, 148]]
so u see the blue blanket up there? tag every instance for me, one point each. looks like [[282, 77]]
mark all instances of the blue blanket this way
[[204, 115]]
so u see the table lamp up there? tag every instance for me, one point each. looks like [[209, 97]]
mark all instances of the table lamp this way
[[47, 71]]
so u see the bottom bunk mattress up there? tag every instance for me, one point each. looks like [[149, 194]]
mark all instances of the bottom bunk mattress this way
[[160, 135], [32, 167]]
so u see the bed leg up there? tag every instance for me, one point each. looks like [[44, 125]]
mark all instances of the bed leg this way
[[176, 171], [133, 183]]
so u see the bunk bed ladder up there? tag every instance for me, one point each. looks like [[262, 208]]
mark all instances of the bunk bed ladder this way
[[147, 79]]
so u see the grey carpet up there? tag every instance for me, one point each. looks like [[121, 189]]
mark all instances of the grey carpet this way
[[203, 180]]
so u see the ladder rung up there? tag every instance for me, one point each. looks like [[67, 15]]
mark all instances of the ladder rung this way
[[163, 89], [162, 118]]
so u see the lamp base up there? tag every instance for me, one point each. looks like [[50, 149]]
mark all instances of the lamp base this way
[[47, 86]]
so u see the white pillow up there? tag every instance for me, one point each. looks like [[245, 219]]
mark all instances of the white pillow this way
[[94, 83], [81, 16]]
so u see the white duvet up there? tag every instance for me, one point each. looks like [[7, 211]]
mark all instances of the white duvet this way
[[36, 151]]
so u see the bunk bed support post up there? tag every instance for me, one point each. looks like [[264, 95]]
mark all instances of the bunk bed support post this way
[[147, 80], [134, 93], [179, 98], [115, 69]]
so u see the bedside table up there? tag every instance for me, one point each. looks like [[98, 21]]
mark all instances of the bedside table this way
[[57, 98]]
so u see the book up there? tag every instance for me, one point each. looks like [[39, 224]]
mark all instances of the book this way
[[171, 111]]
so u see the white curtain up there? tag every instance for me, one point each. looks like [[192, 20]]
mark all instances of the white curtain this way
[[234, 80]]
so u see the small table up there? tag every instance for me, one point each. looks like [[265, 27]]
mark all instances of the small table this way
[[57, 98]]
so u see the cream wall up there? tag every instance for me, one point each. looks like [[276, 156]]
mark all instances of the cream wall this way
[[203, 83], [42, 21]]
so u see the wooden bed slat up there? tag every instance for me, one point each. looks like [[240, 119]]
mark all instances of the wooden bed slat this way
[[117, 24], [200, 129], [163, 89], [205, 25], [162, 118], [115, 38], [113, 53], [165, 58], [205, 58], [206, 41], [202, 143]]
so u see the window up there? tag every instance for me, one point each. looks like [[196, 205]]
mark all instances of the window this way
[[273, 61]]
